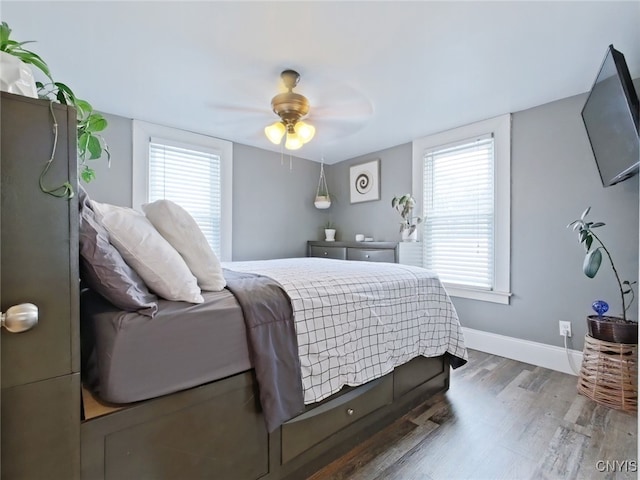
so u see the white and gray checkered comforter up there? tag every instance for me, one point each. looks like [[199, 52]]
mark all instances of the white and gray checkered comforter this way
[[356, 321]]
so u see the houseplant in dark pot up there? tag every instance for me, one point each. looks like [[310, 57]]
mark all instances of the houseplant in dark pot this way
[[616, 329]]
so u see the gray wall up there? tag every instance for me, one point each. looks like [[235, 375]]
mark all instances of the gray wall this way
[[113, 183], [375, 218], [554, 178], [273, 212]]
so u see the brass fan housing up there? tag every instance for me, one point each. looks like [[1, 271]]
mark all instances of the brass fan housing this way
[[290, 106]]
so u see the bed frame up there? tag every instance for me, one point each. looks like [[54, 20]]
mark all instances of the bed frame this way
[[217, 430]]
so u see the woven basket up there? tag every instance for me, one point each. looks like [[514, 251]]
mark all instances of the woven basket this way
[[609, 374]]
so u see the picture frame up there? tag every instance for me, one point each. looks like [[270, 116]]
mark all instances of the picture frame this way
[[364, 181]]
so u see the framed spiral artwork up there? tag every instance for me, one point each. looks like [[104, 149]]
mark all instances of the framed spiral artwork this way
[[364, 181]]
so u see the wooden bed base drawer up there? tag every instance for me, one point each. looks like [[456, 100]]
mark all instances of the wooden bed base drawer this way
[[310, 428]]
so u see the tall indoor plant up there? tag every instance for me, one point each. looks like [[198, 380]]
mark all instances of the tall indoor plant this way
[[609, 328], [91, 144]]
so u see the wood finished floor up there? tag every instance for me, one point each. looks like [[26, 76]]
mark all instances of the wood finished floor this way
[[501, 419]]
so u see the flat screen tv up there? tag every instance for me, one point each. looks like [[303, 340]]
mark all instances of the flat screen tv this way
[[610, 117]]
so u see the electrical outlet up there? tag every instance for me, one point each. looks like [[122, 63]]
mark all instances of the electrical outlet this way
[[565, 329]]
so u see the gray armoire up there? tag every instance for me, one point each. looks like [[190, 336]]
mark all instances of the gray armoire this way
[[40, 402]]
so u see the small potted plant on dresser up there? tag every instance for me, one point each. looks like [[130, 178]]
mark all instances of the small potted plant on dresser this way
[[404, 205], [615, 329], [329, 232]]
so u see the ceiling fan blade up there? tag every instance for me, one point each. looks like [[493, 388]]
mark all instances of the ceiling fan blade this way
[[331, 129], [342, 111]]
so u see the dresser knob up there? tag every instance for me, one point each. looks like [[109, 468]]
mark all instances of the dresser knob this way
[[326, 253], [366, 256], [350, 411]]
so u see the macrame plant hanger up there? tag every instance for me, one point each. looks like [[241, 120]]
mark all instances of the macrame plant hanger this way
[[323, 200]]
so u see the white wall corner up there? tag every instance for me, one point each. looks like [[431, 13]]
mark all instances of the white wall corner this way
[[539, 354]]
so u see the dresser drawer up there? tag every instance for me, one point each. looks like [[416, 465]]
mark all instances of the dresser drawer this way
[[310, 428], [371, 254], [329, 252]]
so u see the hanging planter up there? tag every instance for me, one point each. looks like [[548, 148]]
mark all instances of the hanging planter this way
[[323, 199]]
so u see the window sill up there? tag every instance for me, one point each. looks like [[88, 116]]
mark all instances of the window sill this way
[[477, 294]]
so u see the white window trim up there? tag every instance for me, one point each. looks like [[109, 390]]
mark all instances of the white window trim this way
[[501, 128], [143, 132]]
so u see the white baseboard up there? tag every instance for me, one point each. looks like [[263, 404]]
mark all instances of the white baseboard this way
[[539, 354]]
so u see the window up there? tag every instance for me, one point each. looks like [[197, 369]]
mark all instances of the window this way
[[462, 180], [190, 169]]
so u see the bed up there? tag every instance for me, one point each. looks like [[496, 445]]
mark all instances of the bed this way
[[244, 370], [373, 340]]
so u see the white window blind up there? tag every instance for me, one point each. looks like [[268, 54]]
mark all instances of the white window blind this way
[[189, 176], [459, 204]]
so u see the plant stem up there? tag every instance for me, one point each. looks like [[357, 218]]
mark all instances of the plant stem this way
[[615, 272]]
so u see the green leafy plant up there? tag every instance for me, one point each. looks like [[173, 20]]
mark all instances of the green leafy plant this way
[[404, 205], [16, 49], [91, 144], [593, 257]]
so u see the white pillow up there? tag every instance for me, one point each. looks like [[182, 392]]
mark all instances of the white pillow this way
[[148, 253], [179, 228]]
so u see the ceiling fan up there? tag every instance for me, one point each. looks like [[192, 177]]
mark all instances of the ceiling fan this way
[[329, 109], [291, 107]]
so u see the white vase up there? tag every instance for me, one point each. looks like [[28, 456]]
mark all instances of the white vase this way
[[16, 76], [329, 234], [410, 237]]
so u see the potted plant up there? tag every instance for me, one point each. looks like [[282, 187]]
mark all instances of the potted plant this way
[[602, 327], [329, 232], [404, 205], [91, 144]]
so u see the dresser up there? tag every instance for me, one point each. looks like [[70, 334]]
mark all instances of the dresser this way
[[362, 251]]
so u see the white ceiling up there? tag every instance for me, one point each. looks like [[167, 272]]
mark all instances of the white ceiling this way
[[377, 74]]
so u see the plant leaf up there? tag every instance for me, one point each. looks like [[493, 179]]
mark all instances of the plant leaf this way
[[96, 123], [582, 236], [585, 213], [87, 174], [94, 147], [5, 31], [592, 262], [597, 224], [588, 242], [66, 92], [35, 60]]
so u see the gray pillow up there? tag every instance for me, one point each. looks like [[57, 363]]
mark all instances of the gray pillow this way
[[103, 268]]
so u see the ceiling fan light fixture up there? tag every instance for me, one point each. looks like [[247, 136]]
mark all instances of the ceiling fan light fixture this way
[[293, 141], [290, 107], [305, 131], [275, 132]]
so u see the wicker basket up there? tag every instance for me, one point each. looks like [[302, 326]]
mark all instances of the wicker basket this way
[[609, 374]]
